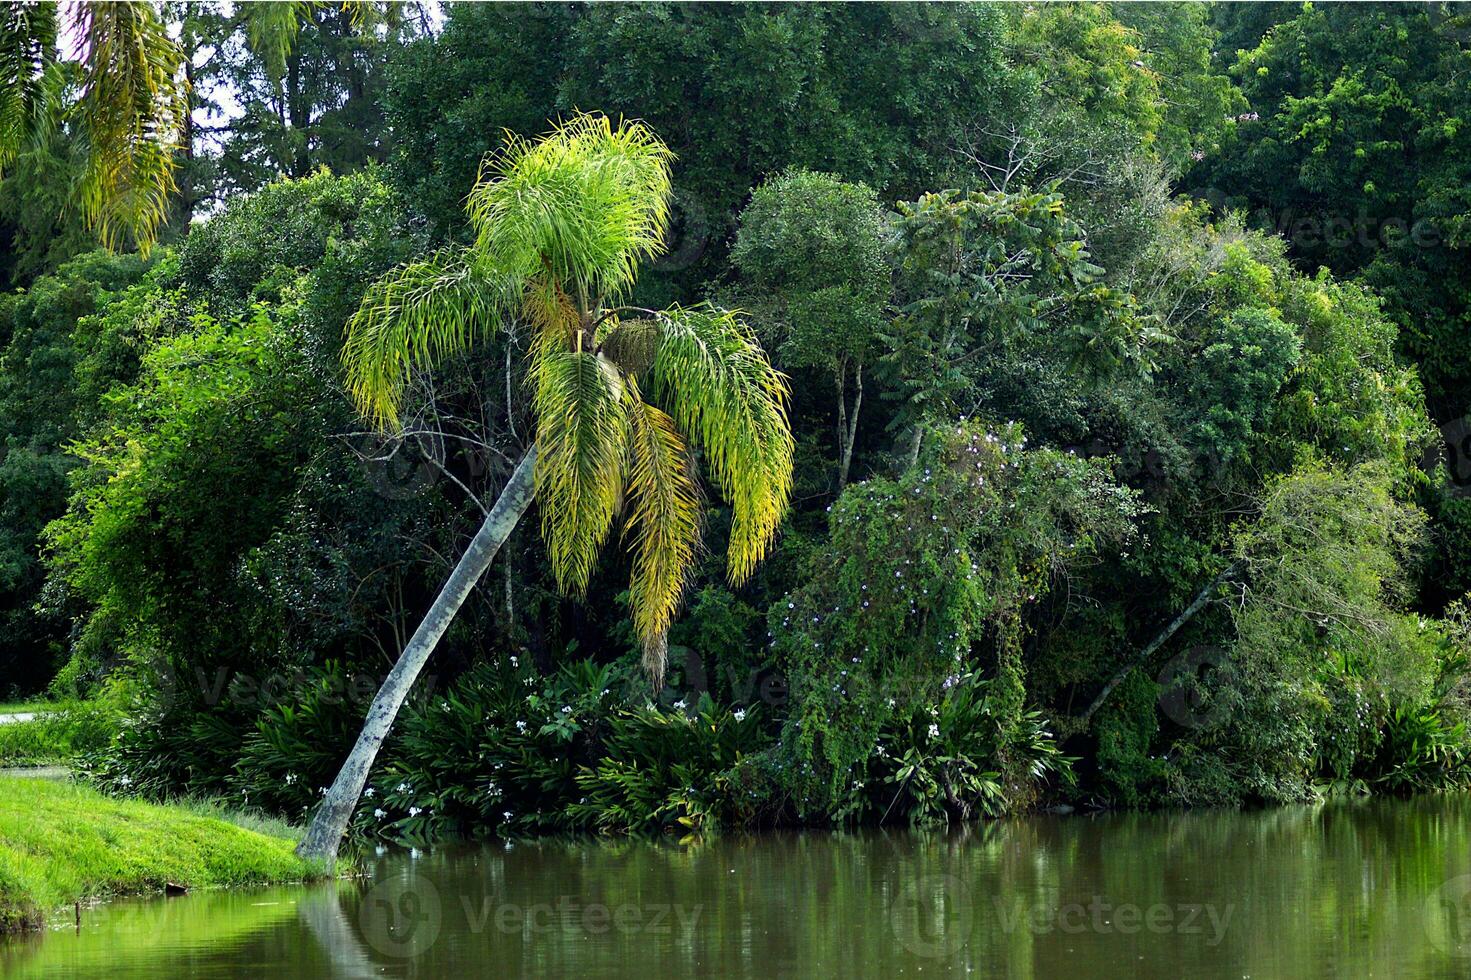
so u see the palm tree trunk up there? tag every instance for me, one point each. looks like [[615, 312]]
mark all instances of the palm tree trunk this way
[[329, 824]]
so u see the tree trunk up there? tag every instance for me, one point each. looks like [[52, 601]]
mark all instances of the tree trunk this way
[[1201, 598], [329, 824], [848, 427]]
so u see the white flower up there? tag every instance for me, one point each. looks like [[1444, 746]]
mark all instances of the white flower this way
[[740, 714], [515, 662], [369, 792], [125, 780], [414, 811], [566, 710], [520, 726], [290, 778], [403, 787], [934, 731], [380, 813], [679, 705], [506, 815]]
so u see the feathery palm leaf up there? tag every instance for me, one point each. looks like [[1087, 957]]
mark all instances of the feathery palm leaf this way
[[27, 50], [132, 108], [271, 26], [417, 315], [723, 391], [663, 522], [580, 208], [270, 29], [582, 428]]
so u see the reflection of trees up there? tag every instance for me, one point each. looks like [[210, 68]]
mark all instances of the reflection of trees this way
[[1340, 888]]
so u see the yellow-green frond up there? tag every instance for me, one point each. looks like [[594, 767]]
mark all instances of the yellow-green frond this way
[[413, 317], [583, 205], [582, 430], [271, 27], [663, 524], [27, 50], [132, 108], [724, 392]]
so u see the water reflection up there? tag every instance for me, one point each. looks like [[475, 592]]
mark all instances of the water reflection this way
[[1355, 889]]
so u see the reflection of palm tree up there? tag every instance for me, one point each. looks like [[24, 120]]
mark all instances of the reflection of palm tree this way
[[321, 912]]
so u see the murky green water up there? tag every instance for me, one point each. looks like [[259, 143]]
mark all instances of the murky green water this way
[[1379, 889]]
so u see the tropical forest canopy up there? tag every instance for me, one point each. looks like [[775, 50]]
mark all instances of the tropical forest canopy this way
[[1127, 348]]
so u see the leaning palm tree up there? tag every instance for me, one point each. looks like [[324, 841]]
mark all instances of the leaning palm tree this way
[[561, 226]]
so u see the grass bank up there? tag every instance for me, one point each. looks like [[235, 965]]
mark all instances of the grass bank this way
[[59, 732], [62, 843]]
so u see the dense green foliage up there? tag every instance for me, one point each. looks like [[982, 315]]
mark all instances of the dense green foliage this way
[[1103, 493]]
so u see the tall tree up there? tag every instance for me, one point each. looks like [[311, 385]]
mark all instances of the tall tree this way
[[561, 227]]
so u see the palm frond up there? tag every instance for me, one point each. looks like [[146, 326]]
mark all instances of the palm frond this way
[[582, 430], [663, 522], [583, 205], [271, 27], [415, 316], [27, 50], [724, 392], [132, 108]]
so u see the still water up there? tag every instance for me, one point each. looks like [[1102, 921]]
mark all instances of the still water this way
[[1368, 889]]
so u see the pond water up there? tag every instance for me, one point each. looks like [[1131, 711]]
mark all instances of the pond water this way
[[1369, 889]]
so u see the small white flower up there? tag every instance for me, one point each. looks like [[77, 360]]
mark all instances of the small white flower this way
[[380, 813], [740, 714], [679, 705], [566, 710], [515, 662], [520, 726], [506, 815], [414, 811], [402, 787], [125, 780], [290, 778], [370, 792], [934, 731]]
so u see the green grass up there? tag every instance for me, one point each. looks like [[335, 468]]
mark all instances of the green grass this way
[[60, 731], [17, 707], [62, 843]]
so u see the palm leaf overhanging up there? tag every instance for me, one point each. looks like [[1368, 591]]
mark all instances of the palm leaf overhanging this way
[[129, 107], [562, 225]]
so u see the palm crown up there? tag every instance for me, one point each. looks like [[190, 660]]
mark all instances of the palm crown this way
[[561, 225]]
